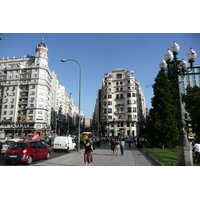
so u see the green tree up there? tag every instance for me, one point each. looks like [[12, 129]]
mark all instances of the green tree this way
[[192, 106], [162, 127]]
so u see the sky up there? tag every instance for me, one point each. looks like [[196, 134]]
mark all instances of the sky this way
[[100, 53]]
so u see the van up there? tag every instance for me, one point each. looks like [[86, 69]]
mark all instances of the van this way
[[65, 143]]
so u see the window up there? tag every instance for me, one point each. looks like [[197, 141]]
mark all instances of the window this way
[[109, 96], [129, 109], [109, 110], [109, 102], [129, 117], [40, 99], [40, 145], [182, 83], [128, 94], [134, 109], [119, 76], [109, 116], [104, 96], [105, 110], [194, 83]]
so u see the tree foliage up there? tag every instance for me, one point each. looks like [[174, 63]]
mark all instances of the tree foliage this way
[[162, 127], [192, 106]]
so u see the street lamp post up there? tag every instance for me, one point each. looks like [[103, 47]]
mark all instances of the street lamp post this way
[[79, 104], [179, 68]]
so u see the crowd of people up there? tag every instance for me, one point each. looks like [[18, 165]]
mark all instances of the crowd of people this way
[[117, 146]]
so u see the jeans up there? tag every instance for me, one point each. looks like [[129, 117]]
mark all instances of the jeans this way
[[196, 157], [122, 150]]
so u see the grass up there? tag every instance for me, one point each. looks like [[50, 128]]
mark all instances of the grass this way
[[169, 154]]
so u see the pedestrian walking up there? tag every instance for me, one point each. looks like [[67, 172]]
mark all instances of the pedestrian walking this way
[[88, 148], [98, 142], [112, 142], [129, 142], [197, 152], [122, 146], [94, 142], [117, 147]]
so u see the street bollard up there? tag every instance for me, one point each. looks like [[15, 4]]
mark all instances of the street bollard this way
[[154, 149]]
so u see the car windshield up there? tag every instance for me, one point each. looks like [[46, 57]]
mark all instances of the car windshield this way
[[17, 146]]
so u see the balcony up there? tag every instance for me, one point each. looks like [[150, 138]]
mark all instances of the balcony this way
[[119, 112], [23, 102], [119, 105]]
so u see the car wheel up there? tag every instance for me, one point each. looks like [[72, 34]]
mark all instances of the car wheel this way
[[8, 162], [29, 160], [48, 155]]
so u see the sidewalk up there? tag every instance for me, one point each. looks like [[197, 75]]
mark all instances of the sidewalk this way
[[102, 157]]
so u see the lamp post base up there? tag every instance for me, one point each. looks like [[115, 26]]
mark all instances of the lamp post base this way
[[185, 156]]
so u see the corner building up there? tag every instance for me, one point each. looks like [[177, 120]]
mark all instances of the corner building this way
[[123, 110], [25, 92]]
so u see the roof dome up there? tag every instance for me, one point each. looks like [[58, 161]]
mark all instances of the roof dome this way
[[42, 45]]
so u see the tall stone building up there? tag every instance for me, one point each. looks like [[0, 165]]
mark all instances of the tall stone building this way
[[25, 91], [123, 110]]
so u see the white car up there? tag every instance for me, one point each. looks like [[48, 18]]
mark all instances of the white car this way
[[7, 143]]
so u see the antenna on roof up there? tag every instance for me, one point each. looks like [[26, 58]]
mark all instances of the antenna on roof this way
[[43, 38]]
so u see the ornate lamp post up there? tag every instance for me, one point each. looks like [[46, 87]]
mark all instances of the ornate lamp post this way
[[178, 67], [79, 104]]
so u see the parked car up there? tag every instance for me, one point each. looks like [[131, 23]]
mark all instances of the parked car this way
[[1, 143], [7, 143], [26, 152], [33, 136], [65, 143]]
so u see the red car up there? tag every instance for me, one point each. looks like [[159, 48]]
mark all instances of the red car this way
[[33, 136], [26, 152]]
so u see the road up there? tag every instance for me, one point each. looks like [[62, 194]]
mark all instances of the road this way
[[101, 156]]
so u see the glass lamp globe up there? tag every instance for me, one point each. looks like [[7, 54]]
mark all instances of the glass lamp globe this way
[[163, 65], [168, 55], [191, 55], [184, 64], [175, 47]]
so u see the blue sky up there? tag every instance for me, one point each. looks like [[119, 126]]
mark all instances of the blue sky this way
[[100, 53]]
